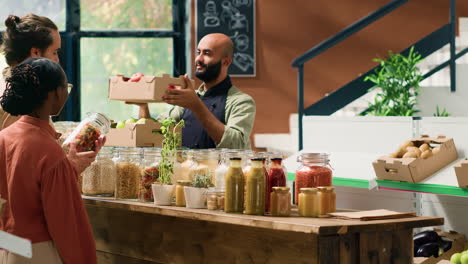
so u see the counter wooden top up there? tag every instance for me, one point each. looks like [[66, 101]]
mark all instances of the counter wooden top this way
[[319, 226]]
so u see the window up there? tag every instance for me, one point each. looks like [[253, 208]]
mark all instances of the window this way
[[101, 38]]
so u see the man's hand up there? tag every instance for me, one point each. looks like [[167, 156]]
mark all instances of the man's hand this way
[[186, 98], [144, 109], [82, 160]]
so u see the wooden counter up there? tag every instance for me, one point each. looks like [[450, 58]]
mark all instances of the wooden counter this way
[[133, 232]]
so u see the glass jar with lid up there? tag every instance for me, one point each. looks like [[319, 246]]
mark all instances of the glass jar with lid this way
[[179, 192], [308, 202], [183, 169], [149, 173], [314, 171], [215, 199], [207, 162], [128, 174], [88, 131], [221, 170], [280, 201], [326, 200], [99, 178]]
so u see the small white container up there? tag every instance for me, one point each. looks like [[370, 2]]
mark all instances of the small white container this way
[[195, 197], [163, 194]]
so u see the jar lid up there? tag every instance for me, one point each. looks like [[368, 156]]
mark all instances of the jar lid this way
[[326, 188], [282, 189], [235, 158], [184, 182], [309, 190], [314, 157]]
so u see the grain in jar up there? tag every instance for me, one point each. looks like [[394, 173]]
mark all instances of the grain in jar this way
[[280, 201], [326, 200], [99, 178], [308, 202], [184, 166], [207, 162], [128, 174], [314, 171], [149, 173]]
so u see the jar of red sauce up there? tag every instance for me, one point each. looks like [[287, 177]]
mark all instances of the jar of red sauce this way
[[276, 178], [314, 171]]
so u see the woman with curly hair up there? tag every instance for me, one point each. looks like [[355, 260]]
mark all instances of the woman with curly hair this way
[[36, 177]]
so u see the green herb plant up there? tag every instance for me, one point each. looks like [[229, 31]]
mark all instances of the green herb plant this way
[[398, 78], [171, 141], [202, 180], [441, 114]]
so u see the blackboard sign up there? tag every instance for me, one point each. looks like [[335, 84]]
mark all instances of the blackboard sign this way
[[235, 18]]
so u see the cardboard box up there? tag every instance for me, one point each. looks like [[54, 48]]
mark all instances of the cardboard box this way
[[458, 245], [417, 169], [461, 170], [136, 135], [149, 89]]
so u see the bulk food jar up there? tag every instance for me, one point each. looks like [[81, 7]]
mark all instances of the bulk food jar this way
[[221, 170], [308, 202], [280, 201], [255, 187], [207, 162], [183, 169], [128, 174], [99, 178], [326, 200], [314, 171], [88, 131], [149, 174]]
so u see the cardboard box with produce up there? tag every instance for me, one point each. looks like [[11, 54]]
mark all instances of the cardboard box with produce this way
[[142, 88], [416, 159], [133, 133], [461, 170], [435, 246]]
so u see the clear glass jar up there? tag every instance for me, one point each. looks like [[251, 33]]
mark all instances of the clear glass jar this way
[[179, 192], [255, 187], [280, 201], [182, 171], [149, 174], [314, 171], [88, 131], [276, 178], [308, 202], [234, 194], [326, 200], [221, 170], [99, 178], [128, 174], [207, 162], [215, 199]]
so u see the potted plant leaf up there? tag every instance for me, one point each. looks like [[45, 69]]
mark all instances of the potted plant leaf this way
[[195, 195], [397, 84], [163, 189]]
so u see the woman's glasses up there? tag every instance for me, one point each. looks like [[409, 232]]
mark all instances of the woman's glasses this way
[[69, 87]]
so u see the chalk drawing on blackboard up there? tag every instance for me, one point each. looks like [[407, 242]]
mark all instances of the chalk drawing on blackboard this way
[[241, 41], [211, 15], [243, 61], [242, 2], [239, 21], [228, 11]]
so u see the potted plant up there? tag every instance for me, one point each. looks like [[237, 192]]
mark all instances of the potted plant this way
[[195, 196], [163, 190], [397, 80]]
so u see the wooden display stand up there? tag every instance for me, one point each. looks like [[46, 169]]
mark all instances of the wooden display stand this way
[[146, 233]]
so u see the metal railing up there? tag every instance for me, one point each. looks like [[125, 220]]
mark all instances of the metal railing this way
[[356, 88]]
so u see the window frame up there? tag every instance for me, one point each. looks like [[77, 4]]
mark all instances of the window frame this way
[[71, 51]]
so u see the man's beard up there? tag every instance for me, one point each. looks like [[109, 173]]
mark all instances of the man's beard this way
[[211, 72]]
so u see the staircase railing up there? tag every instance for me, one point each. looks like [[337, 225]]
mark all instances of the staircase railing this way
[[357, 88]]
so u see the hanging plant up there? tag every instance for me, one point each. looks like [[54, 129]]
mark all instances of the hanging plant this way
[[171, 141]]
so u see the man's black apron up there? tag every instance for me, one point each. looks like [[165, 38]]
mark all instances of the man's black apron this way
[[194, 136]]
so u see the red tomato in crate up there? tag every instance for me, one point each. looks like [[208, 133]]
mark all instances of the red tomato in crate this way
[[136, 77]]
